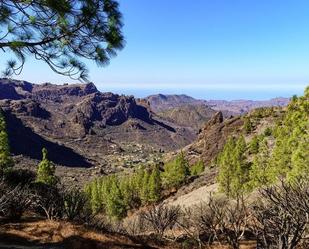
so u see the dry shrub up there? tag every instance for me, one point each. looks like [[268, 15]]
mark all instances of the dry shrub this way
[[161, 218]]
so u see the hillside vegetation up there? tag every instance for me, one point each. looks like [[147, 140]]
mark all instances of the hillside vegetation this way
[[280, 151]]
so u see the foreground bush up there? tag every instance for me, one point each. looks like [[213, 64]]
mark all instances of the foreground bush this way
[[75, 204], [15, 200], [48, 201], [161, 218], [281, 217]]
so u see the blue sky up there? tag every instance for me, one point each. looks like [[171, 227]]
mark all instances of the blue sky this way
[[213, 49]]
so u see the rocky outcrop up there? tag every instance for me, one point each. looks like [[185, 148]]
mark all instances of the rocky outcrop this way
[[25, 107], [109, 109], [212, 138], [50, 91], [71, 109], [216, 119]]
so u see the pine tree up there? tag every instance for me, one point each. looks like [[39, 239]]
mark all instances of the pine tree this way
[[225, 163], [128, 190], [145, 188], [115, 206], [46, 171], [261, 172], [254, 145], [241, 168], [6, 161], [176, 171], [290, 133], [300, 160], [248, 127], [62, 33], [93, 192], [233, 168], [155, 185], [182, 167]]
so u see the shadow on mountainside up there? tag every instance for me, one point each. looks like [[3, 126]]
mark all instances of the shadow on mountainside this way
[[23, 141], [169, 128]]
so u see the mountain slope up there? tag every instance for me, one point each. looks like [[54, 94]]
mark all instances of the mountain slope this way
[[191, 115], [161, 102], [208, 147]]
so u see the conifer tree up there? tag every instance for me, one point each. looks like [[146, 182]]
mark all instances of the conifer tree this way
[[254, 145], [176, 171], [261, 172], [182, 167], [96, 196], [155, 185], [61, 33], [300, 160], [6, 161], [129, 192], [241, 168], [145, 188], [290, 134], [248, 125], [46, 170], [139, 178], [225, 164], [115, 206], [233, 168]]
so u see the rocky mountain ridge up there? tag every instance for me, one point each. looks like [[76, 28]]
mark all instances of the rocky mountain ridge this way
[[161, 103], [82, 127]]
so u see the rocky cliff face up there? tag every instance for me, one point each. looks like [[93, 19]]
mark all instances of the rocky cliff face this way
[[71, 110], [212, 138]]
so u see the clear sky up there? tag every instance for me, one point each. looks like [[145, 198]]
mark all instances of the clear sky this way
[[214, 49]]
